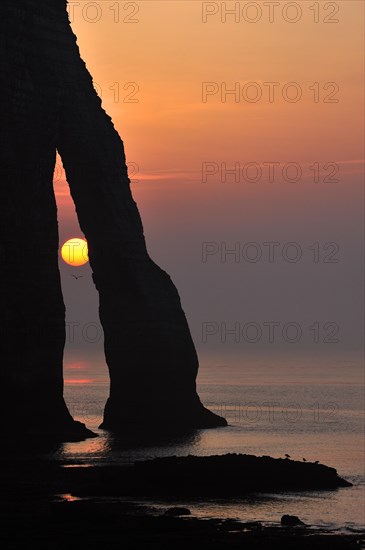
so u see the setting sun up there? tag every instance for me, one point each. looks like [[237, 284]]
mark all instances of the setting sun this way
[[74, 252]]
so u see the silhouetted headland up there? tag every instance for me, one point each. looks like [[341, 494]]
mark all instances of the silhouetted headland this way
[[48, 103]]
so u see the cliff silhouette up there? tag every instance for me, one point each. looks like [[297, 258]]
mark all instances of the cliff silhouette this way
[[48, 104]]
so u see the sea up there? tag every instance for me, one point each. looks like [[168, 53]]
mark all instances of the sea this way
[[310, 409]]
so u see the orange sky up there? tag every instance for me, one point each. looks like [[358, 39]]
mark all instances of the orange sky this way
[[167, 55], [170, 52]]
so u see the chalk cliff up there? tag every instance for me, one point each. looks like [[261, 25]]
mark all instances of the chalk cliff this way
[[48, 103]]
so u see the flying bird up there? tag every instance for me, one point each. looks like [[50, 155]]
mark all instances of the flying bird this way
[[304, 460], [77, 276], [287, 456]]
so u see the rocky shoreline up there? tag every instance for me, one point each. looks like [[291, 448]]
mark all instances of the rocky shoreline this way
[[48, 504], [93, 524]]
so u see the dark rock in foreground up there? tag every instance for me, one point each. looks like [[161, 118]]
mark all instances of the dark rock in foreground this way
[[234, 474], [223, 476], [291, 521], [96, 525], [178, 511], [31, 511]]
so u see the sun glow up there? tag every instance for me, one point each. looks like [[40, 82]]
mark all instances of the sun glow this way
[[75, 252]]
